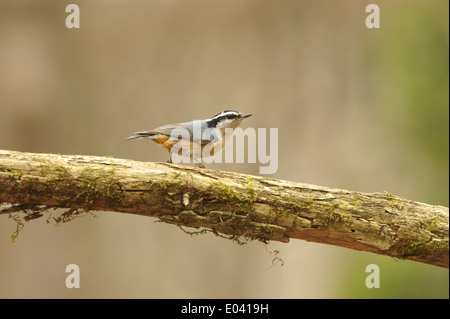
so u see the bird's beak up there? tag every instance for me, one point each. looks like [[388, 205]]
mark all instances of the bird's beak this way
[[243, 116]]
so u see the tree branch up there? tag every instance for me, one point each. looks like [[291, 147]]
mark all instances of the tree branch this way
[[228, 204]]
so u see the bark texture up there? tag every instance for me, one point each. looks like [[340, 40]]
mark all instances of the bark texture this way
[[232, 205]]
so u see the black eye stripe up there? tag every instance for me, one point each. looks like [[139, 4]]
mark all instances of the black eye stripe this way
[[227, 114], [222, 116]]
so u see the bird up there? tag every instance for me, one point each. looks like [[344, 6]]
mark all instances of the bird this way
[[187, 135]]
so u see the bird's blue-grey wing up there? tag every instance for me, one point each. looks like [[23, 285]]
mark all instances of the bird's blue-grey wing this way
[[182, 131]]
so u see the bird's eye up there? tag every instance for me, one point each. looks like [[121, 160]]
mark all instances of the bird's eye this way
[[231, 116]]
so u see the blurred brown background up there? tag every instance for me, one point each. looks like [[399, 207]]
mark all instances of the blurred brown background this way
[[356, 108]]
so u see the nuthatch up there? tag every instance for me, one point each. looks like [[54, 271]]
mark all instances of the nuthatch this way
[[200, 133]]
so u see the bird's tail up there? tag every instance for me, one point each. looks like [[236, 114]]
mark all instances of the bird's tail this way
[[141, 135]]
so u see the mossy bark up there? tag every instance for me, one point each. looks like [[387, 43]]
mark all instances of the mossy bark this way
[[232, 205]]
